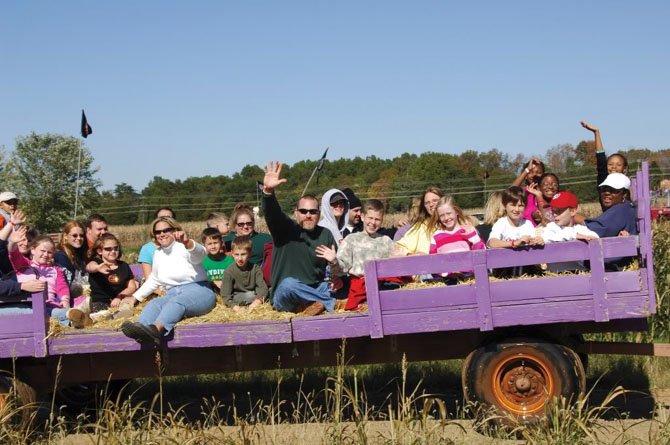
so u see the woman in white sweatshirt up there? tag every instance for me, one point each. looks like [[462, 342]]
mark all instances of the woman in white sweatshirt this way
[[177, 267]]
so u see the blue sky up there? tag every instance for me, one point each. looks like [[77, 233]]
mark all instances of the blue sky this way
[[179, 89]]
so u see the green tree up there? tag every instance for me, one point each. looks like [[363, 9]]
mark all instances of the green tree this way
[[43, 172]]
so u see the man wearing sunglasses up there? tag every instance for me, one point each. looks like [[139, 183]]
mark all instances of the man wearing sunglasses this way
[[298, 280], [8, 204]]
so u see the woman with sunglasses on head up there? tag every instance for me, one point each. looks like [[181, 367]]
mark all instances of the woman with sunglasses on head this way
[[243, 223], [71, 256], [177, 267]]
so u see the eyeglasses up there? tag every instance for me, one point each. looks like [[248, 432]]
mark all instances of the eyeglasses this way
[[165, 231], [77, 235], [310, 211], [111, 249], [248, 224]]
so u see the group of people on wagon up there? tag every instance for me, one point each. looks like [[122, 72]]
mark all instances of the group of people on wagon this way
[[309, 263]]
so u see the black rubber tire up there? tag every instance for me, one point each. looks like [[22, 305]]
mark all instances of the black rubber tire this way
[[517, 378], [21, 401]]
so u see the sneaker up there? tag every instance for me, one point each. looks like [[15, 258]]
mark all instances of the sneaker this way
[[314, 309], [142, 333], [78, 318]]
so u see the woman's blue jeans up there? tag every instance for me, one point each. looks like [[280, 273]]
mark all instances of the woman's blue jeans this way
[[186, 300]]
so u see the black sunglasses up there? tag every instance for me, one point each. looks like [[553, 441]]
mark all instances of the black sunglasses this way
[[310, 211], [608, 189], [168, 230], [248, 224], [111, 249]]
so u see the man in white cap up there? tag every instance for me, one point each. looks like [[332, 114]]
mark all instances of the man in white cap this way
[[8, 204]]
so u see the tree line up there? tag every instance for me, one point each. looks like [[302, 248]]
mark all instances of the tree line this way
[[42, 171]]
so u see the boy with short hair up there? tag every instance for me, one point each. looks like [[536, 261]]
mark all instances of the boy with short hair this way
[[216, 261], [359, 247], [243, 283], [564, 208]]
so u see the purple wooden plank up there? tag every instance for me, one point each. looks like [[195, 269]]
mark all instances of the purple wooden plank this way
[[40, 323], [332, 326], [439, 320], [185, 336], [577, 285], [620, 306], [645, 227], [619, 246], [17, 347], [427, 298], [424, 264], [482, 291], [598, 277], [374, 305], [12, 325], [138, 273]]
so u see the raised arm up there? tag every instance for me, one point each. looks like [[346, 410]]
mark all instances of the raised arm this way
[[601, 157]]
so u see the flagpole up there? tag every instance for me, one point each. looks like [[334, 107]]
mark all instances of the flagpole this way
[[310, 180], [76, 190], [319, 166]]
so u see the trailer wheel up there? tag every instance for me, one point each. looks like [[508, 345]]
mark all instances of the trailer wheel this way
[[519, 378], [18, 402]]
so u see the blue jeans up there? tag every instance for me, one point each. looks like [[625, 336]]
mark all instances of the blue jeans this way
[[16, 309], [186, 300], [59, 314], [291, 294]]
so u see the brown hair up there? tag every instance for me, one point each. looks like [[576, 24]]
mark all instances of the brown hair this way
[[241, 242], [374, 205], [423, 215], [100, 242], [513, 195]]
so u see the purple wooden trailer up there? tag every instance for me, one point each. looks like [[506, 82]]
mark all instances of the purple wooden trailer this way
[[520, 338]]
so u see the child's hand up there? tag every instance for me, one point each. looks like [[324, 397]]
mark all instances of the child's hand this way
[[585, 237], [131, 301], [327, 253], [623, 233], [536, 241], [18, 235], [18, 218], [533, 188], [336, 284], [116, 302], [33, 286], [104, 268], [524, 240]]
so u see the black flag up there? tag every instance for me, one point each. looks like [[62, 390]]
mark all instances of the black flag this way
[[322, 161], [85, 127]]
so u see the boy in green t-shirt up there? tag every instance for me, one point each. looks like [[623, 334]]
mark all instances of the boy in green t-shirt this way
[[216, 261]]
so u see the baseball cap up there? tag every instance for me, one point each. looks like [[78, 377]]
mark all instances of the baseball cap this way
[[7, 196], [563, 200], [616, 181], [338, 196]]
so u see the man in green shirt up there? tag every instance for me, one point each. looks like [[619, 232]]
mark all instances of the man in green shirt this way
[[298, 275]]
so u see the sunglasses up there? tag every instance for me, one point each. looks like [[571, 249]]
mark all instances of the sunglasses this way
[[608, 189], [111, 249], [164, 231], [310, 211], [12, 202], [77, 235], [248, 224]]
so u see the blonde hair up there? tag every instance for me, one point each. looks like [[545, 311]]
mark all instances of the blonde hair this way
[[494, 209], [435, 223]]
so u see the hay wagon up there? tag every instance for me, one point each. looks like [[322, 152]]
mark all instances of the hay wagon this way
[[521, 339]]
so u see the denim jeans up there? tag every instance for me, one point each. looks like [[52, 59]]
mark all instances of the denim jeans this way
[[59, 314], [291, 293], [16, 309], [186, 300]]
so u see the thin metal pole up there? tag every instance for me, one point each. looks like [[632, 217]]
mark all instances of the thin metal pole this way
[[310, 180], [76, 190]]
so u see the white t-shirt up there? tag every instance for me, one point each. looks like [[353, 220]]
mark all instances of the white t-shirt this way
[[504, 230], [554, 233]]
